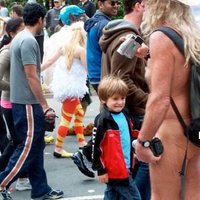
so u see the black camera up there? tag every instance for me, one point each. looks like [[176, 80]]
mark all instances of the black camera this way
[[156, 147]]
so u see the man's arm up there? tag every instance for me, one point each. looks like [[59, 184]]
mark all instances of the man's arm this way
[[161, 66], [34, 83], [4, 65], [124, 68]]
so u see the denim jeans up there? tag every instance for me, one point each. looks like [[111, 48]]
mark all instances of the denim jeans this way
[[28, 155], [120, 192], [142, 180], [3, 133]]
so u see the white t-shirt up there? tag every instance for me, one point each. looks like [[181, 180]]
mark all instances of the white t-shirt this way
[[4, 12]]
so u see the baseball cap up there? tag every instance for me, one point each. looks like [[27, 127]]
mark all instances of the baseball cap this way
[[73, 10], [57, 1]]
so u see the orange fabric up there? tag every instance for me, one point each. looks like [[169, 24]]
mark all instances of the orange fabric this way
[[71, 108], [62, 131]]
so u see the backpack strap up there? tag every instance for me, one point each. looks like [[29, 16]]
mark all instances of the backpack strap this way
[[174, 36], [178, 42]]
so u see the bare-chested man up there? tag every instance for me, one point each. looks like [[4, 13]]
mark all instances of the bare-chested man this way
[[168, 75]]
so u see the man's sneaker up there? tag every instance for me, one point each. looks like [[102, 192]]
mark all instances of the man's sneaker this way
[[53, 194], [23, 184], [79, 161], [4, 195]]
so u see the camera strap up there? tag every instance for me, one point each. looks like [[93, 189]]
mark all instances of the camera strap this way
[[183, 167]]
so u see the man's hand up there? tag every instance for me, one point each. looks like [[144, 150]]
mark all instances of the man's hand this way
[[145, 154], [103, 178], [49, 112], [142, 51], [50, 116]]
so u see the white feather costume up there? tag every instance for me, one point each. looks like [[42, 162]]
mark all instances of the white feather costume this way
[[69, 83]]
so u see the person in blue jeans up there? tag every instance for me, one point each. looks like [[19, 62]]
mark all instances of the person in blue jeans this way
[[28, 108], [112, 152]]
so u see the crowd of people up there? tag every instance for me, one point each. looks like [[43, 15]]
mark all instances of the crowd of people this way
[[134, 96]]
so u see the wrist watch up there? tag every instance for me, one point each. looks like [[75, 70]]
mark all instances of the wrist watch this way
[[145, 143]]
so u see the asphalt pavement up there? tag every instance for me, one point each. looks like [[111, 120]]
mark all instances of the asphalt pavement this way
[[63, 173]]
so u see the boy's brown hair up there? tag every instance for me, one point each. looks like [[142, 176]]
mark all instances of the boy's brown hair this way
[[111, 85]]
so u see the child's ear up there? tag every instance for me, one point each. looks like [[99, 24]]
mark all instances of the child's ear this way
[[103, 102]]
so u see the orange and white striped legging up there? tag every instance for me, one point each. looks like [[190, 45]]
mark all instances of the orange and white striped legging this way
[[70, 108]]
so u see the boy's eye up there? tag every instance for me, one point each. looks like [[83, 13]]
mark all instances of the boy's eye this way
[[118, 98]]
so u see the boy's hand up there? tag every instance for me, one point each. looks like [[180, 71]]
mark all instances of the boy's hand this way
[[103, 178]]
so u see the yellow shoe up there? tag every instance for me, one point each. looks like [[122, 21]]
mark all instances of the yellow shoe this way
[[63, 154], [48, 139]]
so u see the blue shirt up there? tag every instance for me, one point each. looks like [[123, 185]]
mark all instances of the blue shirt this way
[[122, 123]]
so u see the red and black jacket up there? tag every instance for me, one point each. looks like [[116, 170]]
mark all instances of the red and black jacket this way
[[107, 150]]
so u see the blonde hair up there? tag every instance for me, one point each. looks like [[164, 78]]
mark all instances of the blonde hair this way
[[111, 85], [177, 15], [76, 37]]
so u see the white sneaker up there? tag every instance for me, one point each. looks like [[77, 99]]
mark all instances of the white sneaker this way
[[23, 184]]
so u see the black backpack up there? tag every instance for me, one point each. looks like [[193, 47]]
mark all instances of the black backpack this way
[[191, 131]]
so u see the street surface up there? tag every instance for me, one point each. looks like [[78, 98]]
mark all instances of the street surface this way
[[63, 173]]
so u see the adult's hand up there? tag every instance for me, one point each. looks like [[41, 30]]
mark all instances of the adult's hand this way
[[145, 154], [142, 51], [49, 112]]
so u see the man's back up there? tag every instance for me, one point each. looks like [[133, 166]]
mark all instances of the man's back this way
[[94, 27], [26, 51], [180, 83], [130, 70]]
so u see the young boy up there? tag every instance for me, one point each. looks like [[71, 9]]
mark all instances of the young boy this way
[[112, 136]]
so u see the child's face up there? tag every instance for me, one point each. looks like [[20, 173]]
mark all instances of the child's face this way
[[115, 103]]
